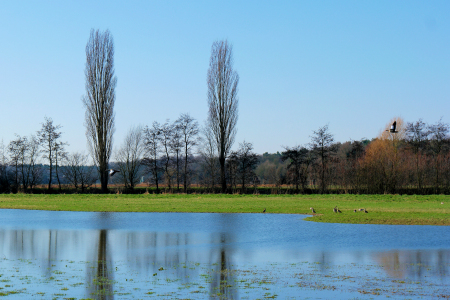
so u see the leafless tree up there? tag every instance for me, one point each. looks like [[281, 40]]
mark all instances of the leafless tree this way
[[49, 135], [209, 159], [99, 100], [222, 101], [77, 171], [152, 144], [323, 147], [14, 150], [24, 153], [4, 174], [34, 170], [129, 157], [189, 132], [166, 131], [60, 155], [299, 158], [438, 142], [176, 145], [247, 161], [417, 138]]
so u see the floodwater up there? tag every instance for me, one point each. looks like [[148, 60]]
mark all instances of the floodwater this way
[[89, 255]]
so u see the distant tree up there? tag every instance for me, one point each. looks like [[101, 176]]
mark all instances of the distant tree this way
[[24, 153], [232, 166], [384, 164], [60, 155], [166, 133], [4, 174], [77, 171], [129, 157], [354, 171], [49, 136], [14, 150], [152, 144], [189, 130], [33, 168], [176, 145], [99, 100], [247, 161], [222, 101], [299, 159], [417, 137], [323, 147], [208, 157], [438, 143]]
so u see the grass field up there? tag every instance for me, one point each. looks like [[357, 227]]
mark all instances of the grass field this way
[[382, 209]]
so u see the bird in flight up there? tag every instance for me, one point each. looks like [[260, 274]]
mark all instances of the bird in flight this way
[[393, 127], [112, 172]]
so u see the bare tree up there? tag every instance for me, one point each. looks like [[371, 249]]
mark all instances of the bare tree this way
[[77, 171], [176, 145], [323, 147], [222, 101], [14, 150], [129, 157], [4, 174], [60, 155], [99, 100], [49, 136], [299, 159], [438, 142], [189, 132], [152, 144], [24, 153], [417, 137], [166, 131], [209, 160], [247, 161], [34, 170]]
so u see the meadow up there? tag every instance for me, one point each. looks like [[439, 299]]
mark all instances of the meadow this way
[[381, 209]]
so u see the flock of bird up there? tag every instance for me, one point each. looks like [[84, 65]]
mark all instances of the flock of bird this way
[[337, 210]]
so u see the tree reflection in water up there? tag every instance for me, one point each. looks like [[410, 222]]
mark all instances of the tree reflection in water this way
[[100, 276], [110, 256]]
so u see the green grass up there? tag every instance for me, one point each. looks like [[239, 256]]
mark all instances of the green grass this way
[[382, 209]]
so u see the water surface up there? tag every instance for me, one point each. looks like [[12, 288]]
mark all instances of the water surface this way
[[48, 254]]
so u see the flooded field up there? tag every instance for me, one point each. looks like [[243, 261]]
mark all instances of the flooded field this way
[[79, 255]]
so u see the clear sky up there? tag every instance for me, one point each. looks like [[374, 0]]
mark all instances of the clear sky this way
[[302, 64]]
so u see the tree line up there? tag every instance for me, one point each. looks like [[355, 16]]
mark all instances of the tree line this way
[[175, 155], [180, 155]]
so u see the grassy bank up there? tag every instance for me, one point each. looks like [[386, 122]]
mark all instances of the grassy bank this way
[[382, 209]]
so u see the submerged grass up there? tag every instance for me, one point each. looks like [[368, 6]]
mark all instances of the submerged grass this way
[[382, 209]]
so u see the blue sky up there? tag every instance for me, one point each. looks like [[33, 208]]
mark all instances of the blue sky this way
[[302, 64]]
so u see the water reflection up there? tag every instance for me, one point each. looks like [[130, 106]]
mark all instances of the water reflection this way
[[414, 264], [151, 253], [228, 256]]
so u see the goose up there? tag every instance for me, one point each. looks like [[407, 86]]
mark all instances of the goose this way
[[112, 172], [312, 209], [393, 127]]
